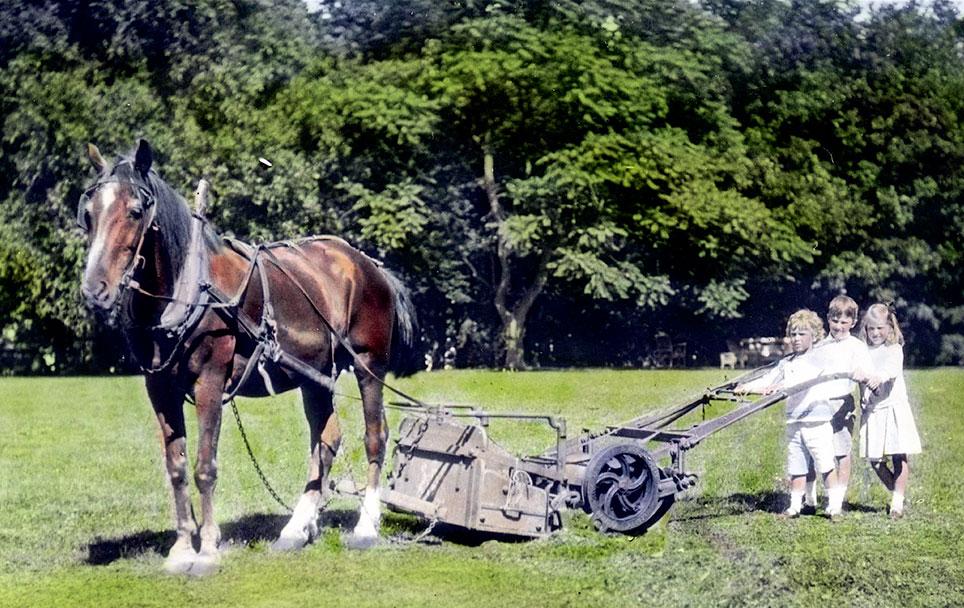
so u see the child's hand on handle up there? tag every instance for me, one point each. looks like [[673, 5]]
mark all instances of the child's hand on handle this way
[[871, 381], [742, 389]]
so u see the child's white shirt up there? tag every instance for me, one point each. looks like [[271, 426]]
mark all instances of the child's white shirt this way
[[811, 405], [848, 355]]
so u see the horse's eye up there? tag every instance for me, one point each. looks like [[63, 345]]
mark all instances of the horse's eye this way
[[135, 213]]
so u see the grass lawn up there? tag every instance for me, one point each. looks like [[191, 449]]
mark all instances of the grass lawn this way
[[86, 516]]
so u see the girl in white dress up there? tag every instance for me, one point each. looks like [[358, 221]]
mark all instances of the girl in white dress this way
[[887, 424]]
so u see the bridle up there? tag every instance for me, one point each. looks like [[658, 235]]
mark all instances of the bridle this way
[[209, 297], [149, 202]]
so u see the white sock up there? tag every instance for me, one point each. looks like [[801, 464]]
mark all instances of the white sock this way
[[897, 502], [796, 501], [810, 496], [835, 497]]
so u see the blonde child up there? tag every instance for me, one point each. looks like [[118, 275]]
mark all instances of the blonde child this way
[[809, 433], [843, 352], [887, 425]]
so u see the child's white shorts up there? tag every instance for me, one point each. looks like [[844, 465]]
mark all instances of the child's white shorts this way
[[843, 425], [813, 440]]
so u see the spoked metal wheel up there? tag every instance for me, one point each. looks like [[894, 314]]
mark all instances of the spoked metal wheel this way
[[621, 488]]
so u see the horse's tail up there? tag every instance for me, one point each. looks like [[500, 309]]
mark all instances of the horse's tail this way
[[406, 358]]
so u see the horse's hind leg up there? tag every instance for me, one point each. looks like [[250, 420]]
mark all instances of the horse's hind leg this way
[[376, 435], [325, 437], [208, 392], [169, 410]]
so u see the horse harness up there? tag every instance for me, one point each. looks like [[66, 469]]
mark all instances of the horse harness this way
[[263, 332], [194, 295]]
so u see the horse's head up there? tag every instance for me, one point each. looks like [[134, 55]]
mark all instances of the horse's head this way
[[117, 211]]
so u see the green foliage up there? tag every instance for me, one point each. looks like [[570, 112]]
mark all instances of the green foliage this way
[[393, 218], [671, 164]]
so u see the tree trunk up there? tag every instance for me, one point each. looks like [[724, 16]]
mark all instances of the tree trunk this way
[[513, 333], [513, 315]]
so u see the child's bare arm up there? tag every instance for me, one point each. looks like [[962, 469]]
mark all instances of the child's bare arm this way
[[766, 390]]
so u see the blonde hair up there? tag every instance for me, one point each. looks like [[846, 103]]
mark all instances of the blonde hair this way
[[808, 319], [882, 312], [842, 306]]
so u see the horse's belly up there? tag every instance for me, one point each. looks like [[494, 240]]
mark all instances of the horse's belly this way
[[264, 380]]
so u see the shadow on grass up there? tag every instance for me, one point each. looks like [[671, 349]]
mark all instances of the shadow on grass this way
[[105, 551], [404, 527], [709, 507], [244, 531]]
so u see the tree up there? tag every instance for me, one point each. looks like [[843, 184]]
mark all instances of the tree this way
[[590, 154]]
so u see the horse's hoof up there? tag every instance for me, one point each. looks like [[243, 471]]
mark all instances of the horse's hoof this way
[[294, 541], [206, 563], [289, 543], [180, 561], [364, 536], [356, 541], [295, 537], [365, 528]]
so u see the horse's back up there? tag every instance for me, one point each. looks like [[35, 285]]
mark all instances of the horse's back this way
[[344, 285]]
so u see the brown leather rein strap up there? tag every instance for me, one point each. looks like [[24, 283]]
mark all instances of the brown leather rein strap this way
[[266, 334], [263, 332]]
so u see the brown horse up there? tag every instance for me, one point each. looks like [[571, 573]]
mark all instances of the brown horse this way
[[205, 316]]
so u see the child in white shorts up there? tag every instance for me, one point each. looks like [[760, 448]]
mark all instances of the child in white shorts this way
[[809, 432], [843, 352]]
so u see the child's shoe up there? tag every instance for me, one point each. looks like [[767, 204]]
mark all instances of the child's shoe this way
[[790, 513], [834, 515], [808, 510]]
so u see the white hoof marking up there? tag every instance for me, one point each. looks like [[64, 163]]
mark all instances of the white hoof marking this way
[[302, 528], [180, 560], [206, 563], [370, 515]]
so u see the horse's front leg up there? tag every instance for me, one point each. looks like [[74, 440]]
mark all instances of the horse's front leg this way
[[208, 394], [169, 409], [376, 435]]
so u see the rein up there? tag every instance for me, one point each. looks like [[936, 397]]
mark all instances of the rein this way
[[268, 346], [208, 297]]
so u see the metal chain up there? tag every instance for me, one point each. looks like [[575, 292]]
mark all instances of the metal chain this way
[[254, 461], [418, 537], [331, 495]]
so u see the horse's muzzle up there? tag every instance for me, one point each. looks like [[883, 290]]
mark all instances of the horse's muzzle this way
[[97, 294]]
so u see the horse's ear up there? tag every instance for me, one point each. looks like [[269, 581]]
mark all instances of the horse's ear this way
[[143, 157], [95, 158]]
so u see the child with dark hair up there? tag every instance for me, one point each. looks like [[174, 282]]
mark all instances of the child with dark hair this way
[[843, 352]]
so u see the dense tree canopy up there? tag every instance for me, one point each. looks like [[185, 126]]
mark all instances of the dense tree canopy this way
[[557, 181]]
